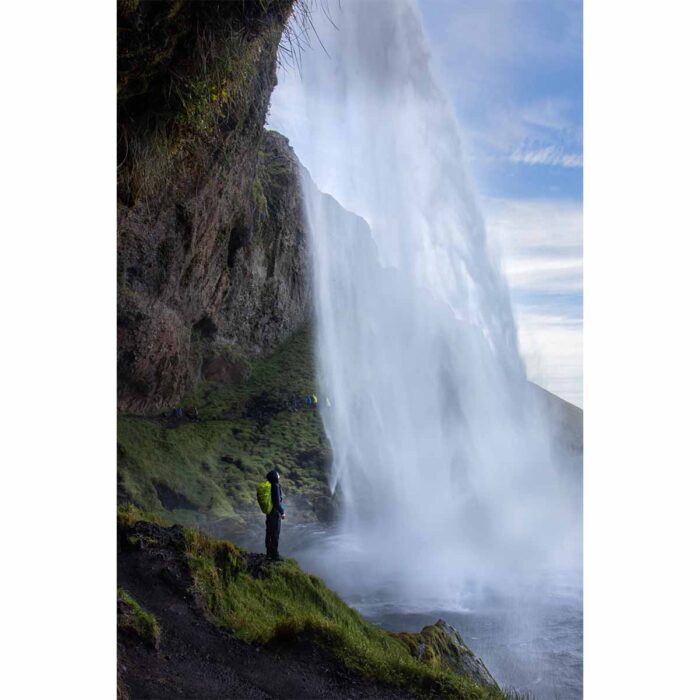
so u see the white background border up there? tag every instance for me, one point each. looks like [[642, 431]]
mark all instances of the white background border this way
[[641, 304]]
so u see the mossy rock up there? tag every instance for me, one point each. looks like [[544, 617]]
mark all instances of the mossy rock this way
[[441, 646]]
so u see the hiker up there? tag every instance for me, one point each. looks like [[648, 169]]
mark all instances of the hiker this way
[[311, 401], [273, 520]]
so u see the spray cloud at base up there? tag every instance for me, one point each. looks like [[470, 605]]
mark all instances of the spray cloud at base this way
[[442, 453]]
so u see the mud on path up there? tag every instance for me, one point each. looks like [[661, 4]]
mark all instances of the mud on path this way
[[196, 660]]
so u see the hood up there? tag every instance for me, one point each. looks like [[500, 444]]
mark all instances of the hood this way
[[273, 477]]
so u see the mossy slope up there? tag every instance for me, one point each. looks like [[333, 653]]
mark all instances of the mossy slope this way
[[279, 605], [210, 465]]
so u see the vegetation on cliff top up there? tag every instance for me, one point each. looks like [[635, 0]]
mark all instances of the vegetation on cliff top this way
[[212, 463], [277, 604], [185, 69]]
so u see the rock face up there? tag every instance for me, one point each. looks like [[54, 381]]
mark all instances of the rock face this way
[[270, 297], [211, 248], [442, 645]]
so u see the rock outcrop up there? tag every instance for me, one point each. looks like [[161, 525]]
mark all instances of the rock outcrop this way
[[211, 249], [441, 645]]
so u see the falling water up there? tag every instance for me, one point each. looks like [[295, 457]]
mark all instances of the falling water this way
[[442, 455]]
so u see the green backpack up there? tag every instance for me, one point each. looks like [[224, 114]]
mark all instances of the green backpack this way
[[265, 496]]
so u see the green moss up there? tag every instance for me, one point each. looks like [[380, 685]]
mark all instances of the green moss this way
[[260, 200], [432, 646], [136, 621], [212, 465], [180, 461], [128, 514], [279, 604]]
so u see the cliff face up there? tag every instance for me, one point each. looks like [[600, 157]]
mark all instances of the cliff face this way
[[211, 250]]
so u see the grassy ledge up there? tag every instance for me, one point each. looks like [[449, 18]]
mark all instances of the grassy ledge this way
[[279, 605]]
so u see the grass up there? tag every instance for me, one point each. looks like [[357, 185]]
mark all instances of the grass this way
[[212, 465], [280, 605], [283, 605], [128, 514], [136, 621]]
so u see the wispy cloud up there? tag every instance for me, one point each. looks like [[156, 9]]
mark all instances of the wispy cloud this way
[[513, 69], [524, 227], [545, 274], [547, 155]]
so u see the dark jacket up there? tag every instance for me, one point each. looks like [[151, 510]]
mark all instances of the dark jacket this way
[[274, 478]]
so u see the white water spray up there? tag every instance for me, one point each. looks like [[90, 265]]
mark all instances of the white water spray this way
[[441, 453]]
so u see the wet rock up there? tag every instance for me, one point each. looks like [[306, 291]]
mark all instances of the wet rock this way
[[442, 645], [461, 658]]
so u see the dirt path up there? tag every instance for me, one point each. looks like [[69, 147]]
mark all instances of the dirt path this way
[[196, 660]]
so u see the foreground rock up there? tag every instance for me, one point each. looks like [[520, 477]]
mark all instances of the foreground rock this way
[[442, 645]]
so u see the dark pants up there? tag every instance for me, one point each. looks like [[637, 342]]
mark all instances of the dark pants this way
[[273, 525]]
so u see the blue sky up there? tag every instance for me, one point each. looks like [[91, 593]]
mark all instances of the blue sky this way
[[514, 72]]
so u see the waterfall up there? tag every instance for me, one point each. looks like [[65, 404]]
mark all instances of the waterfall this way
[[442, 455]]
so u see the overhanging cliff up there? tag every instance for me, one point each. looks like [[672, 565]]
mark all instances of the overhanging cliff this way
[[211, 248]]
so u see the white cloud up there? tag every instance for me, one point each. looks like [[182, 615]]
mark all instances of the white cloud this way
[[540, 244], [545, 274], [547, 155], [552, 347], [526, 227]]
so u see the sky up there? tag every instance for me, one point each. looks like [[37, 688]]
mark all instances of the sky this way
[[514, 72]]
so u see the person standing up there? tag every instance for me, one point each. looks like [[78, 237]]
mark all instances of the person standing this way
[[273, 520]]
